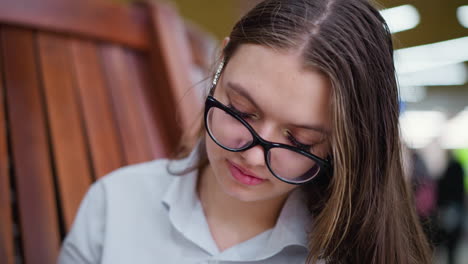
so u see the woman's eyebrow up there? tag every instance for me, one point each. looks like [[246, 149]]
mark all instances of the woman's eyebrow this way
[[242, 92]]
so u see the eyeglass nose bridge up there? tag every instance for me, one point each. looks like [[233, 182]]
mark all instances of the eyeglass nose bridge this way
[[265, 145], [258, 140]]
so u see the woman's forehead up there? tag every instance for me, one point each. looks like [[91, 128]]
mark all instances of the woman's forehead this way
[[259, 64]]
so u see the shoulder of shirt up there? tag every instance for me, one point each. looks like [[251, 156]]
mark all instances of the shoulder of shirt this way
[[152, 177]]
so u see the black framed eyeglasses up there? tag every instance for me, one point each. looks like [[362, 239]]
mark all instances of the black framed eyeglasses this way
[[231, 132]]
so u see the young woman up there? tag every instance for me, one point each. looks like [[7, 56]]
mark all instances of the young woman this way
[[298, 160]]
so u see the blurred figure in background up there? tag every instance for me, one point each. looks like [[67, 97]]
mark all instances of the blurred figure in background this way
[[424, 190], [451, 206]]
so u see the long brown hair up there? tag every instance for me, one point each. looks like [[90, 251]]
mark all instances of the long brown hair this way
[[363, 213]]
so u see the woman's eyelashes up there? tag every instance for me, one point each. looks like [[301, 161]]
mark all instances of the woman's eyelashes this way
[[296, 143], [242, 114]]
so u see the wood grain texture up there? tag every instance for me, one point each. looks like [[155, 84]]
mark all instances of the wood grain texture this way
[[151, 114], [171, 61], [127, 104], [100, 122], [30, 147], [69, 144], [6, 228], [103, 20]]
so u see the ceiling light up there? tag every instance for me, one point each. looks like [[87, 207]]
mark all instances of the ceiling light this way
[[462, 15], [433, 55], [453, 74], [401, 18]]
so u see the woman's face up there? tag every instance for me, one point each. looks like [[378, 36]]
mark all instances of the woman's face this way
[[284, 103]]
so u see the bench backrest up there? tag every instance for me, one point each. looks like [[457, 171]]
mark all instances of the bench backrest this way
[[86, 86]]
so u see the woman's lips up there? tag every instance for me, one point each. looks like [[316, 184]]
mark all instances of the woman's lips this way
[[239, 174]]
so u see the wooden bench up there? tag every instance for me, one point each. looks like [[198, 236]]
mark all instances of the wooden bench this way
[[86, 86]]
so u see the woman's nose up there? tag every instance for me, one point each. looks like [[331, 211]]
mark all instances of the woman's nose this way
[[254, 156]]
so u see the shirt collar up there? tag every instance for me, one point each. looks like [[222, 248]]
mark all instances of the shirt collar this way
[[184, 208], [291, 227], [186, 215]]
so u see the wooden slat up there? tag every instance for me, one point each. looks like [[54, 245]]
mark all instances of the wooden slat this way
[[171, 62], [105, 20], [101, 127], [67, 133], [127, 105], [151, 113], [30, 147], [6, 233]]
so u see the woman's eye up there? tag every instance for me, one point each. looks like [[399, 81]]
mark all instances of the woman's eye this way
[[243, 115], [296, 143]]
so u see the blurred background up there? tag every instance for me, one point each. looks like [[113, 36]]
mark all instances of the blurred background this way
[[431, 58]]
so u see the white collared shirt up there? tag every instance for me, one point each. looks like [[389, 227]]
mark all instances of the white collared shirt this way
[[143, 214]]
